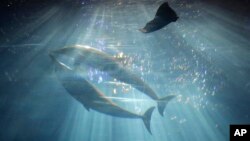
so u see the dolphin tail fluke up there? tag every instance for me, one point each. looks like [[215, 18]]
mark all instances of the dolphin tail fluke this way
[[147, 118], [162, 103]]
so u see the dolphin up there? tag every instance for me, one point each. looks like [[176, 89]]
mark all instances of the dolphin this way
[[92, 98], [78, 54], [164, 16]]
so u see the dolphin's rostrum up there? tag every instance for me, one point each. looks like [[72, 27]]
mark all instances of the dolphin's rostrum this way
[[106, 63]]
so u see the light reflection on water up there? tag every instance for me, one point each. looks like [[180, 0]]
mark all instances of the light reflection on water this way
[[197, 58]]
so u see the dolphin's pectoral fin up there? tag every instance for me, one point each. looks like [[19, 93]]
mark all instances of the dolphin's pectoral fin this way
[[162, 102], [147, 118], [86, 107]]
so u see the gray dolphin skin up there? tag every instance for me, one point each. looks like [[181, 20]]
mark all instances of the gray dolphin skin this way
[[92, 98], [92, 57]]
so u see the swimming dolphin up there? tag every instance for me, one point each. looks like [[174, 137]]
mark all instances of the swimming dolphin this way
[[164, 15], [92, 98], [95, 58]]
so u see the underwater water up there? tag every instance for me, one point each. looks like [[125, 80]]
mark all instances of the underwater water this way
[[203, 58]]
